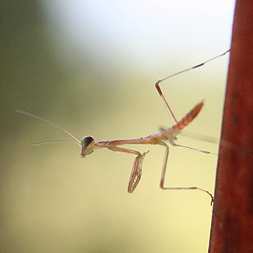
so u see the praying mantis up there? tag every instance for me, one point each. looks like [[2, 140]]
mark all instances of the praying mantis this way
[[89, 144]]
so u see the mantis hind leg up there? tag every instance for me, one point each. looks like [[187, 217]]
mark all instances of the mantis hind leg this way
[[158, 88]]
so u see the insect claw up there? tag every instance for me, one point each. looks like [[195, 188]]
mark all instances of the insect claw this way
[[145, 153], [212, 200]]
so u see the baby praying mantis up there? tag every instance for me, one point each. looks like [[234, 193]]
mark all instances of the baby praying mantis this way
[[88, 144]]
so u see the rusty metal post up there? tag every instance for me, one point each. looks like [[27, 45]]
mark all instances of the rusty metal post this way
[[232, 221]]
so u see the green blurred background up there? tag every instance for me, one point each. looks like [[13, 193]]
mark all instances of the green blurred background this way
[[90, 66]]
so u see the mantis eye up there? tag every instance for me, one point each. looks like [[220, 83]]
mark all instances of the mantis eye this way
[[87, 140], [87, 145]]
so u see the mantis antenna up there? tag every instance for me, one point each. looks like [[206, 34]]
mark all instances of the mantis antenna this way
[[51, 141], [50, 123]]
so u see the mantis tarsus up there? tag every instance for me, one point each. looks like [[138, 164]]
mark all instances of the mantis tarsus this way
[[88, 144]]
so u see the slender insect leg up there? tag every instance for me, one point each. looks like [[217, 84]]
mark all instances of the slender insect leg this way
[[177, 188], [136, 172], [194, 149], [157, 84]]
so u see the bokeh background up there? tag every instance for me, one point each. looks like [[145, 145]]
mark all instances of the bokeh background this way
[[90, 66]]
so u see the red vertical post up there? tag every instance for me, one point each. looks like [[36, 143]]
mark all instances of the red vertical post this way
[[232, 221]]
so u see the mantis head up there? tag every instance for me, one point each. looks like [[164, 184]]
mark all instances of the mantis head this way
[[87, 145]]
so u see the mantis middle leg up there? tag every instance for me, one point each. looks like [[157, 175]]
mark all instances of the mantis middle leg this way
[[163, 187]]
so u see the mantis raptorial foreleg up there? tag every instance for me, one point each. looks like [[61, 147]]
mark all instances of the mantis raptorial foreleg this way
[[136, 172]]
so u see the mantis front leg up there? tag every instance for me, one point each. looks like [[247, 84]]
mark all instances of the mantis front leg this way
[[136, 172]]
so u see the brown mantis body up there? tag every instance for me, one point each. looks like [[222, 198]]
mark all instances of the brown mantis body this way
[[158, 138], [89, 144]]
